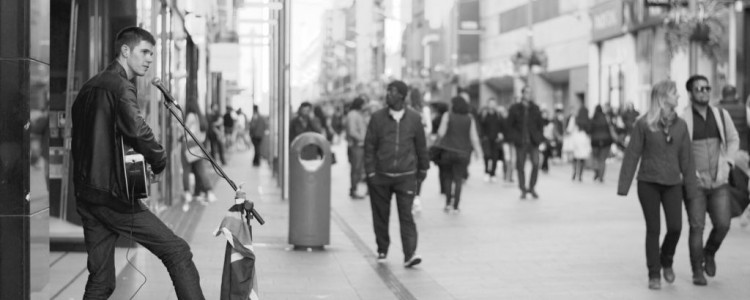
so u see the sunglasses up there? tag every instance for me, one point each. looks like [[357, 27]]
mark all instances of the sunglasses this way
[[703, 89]]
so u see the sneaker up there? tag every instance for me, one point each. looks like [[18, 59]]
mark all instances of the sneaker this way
[[486, 178], [493, 179], [533, 194], [699, 279], [417, 206], [381, 257], [654, 284], [456, 211], [413, 261], [669, 274], [447, 209], [523, 195], [355, 196]]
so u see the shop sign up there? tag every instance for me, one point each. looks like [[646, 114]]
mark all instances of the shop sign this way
[[607, 20], [659, 2]]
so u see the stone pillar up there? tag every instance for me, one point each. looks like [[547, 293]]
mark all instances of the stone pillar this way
[[24, 128]]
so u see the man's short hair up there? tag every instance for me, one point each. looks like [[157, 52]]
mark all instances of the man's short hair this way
[[132, 36], [305, 104], [400, 86], [692, 80], [728, 91], [358, 103]]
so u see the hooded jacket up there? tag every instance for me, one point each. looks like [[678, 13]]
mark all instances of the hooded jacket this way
[[104, 111]]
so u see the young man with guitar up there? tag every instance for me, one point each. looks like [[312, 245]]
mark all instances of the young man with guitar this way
[[106, 122]]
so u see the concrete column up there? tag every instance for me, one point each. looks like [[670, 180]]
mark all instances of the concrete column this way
[[24, 204]]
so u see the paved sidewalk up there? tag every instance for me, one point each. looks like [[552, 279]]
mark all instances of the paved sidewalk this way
[[578, 241]]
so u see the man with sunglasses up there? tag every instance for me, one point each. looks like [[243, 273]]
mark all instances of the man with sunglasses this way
[[714, 142]]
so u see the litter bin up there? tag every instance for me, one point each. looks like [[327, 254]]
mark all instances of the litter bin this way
[[310, 191]]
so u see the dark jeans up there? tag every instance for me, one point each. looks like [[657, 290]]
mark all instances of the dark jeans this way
[[256, 148], [357, 161], [717, 203], [381, 189], [455, 165], [101, 228], [217, 147], [491, 151], [670, 197], [599, 156], [522, 152], [198, 168]]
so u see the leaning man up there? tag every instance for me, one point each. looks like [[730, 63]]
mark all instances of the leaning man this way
[[106, 119]]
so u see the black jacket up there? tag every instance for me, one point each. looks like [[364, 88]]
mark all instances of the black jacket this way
[[515, 123], [395, 148], [105, 110]]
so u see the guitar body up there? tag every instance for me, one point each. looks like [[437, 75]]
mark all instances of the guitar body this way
[[136, 176]]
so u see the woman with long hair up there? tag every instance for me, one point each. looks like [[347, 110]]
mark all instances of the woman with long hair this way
[[660, 141], [601, 142], [192, 157], [458, 135], [577, 141]]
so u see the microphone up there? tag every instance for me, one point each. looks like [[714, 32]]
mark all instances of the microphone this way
[[167, 96]]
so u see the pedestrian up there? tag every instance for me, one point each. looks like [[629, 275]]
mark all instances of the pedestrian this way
[[192, 155], [458, 135], [438, 108], [302, 122], [490, 124], [660, 141], [525, 126], [714, 143], [229, 122], [258, 130], [732, 105], [628, 115], [356, 128], [415, 102], [601, 142], [216, 134], [577, 142], [507, 150], [395, 159], [240, 131], [106, 120]]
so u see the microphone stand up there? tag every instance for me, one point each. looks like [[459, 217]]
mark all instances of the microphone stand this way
[[251, 208]]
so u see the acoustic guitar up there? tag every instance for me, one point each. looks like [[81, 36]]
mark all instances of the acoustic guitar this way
[[136, 174]]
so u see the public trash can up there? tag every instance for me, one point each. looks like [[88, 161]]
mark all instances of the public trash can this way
[[310, 191]]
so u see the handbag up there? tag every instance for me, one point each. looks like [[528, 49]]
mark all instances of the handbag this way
[[738, 182]]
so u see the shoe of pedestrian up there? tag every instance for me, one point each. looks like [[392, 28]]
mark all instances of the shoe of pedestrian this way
[[533, 194], [669, 274], [710, 266], [413, 261], [417, 206], [381, 257], [356, 196], [493, 179], [200, 197], [654, 284], [447, 209], [456, 211], [486, 178], [523, 195], [699, 279]]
